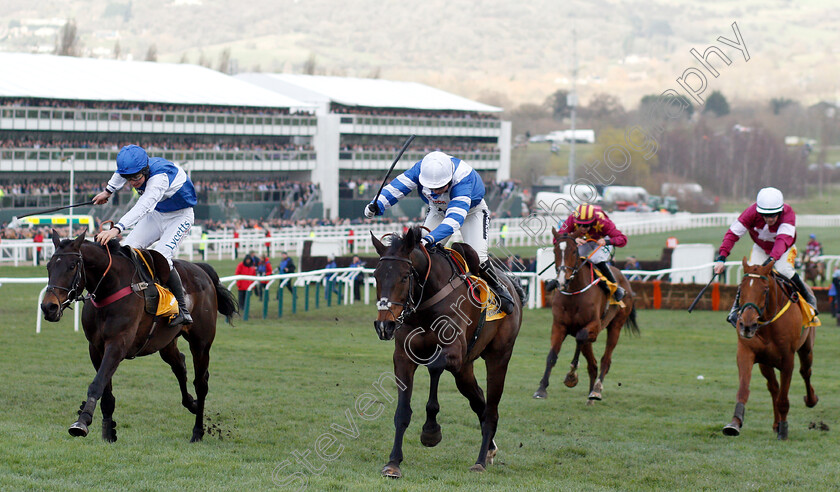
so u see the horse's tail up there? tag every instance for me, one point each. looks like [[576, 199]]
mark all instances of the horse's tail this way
[[631, 323], [227, 303]]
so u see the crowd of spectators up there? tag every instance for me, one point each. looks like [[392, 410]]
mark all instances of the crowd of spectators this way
[[141, 106], [157, 145], [454, 150], [415, 113]]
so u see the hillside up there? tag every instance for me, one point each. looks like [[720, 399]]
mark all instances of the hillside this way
[[499, 51]]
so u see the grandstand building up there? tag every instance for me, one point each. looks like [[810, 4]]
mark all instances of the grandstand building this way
[[362, 124], [319, 133]]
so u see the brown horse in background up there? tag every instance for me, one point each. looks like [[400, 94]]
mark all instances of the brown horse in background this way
[[426, 306], [580, 308], [122, 329], [770, 333], [813, 270]]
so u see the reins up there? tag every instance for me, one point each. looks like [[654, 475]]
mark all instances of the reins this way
[[757, 309]]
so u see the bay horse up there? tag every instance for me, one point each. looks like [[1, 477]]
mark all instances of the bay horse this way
[[770, 331], [580, 308], [429, 310], [121, 329], [813, 270]]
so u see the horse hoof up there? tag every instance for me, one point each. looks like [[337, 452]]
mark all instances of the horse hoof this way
[[540, 394], [811, 405], [731, 429], [595, 396], [78, 429], [391, 471], [109, 431], [491, 455], [432, 438], [783, 431], [478, 468], [571, 380]]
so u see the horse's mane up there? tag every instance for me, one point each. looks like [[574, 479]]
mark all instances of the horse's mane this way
[[405, 243]]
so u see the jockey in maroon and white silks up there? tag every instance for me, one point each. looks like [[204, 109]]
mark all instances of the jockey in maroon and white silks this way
[[771, 223]]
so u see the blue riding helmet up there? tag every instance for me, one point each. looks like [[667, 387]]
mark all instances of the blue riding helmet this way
[[131, 160], [813, 236]]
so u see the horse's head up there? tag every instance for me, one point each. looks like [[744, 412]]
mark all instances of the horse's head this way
[[399, 282], [566, 258], [66, 276], [755, 294]]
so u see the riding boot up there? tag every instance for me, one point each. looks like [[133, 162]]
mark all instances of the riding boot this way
[[177, 290], [491, 275], [805, 291], [604, 268], [732, 317]]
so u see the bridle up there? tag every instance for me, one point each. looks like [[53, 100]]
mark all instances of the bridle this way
[[751, 305], [561, 269], [410, 305], [77, 286]]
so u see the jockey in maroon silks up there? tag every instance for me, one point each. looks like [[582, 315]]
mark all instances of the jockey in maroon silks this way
[[598, 227], [771, 224]]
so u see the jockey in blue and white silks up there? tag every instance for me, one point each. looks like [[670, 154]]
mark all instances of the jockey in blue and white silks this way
[[163, 213], [455, 194]]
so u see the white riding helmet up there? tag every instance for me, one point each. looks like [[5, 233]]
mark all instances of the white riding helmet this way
[[769, 201], [436, 170]]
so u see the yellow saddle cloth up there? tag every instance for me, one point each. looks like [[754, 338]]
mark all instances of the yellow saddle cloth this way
[[489, 302], [167, 304], [611, 285]]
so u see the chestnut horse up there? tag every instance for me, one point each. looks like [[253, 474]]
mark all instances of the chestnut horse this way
[[580, 308], [426, 306], [770, 332], [121, 329]]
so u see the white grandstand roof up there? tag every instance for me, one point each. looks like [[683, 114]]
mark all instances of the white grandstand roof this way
[[374, 93], [88, 79]]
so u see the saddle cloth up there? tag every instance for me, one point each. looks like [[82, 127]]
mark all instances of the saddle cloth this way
[[480, 290], [611, 285], [159, 302]]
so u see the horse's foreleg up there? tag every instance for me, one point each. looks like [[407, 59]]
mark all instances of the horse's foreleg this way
[[431, 434], [745, 359], [176, 360], [111, 358], [785, 377], [806, 360], [558, 333], [404, 369], [201, 362], [571, 379], [773, 387], [109, 426]]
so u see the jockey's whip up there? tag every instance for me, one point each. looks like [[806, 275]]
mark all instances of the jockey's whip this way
[[697, 299], [15, 219], [393, 165]]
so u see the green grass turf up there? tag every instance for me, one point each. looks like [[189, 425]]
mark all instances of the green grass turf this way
[[277, 385]]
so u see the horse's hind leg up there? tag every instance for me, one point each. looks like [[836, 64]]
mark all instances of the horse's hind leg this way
[[806, 360], [176, 360], [613, 332], [114, 353], [785, 376], [773, 387], [497, 365], [468, 386], [201, 361], [431, 434], [558, 333]]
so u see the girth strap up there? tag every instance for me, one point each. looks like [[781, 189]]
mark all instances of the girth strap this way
[[441, 294]]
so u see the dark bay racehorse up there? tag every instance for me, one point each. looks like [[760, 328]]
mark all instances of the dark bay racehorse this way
[[580, 309], [770, 333], [429, 310], [121, 328]]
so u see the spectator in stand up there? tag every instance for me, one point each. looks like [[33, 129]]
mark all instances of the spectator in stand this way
[[244, 268], [39, 238], [359, 279], [236, 245]]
